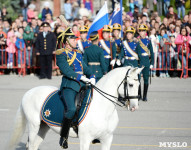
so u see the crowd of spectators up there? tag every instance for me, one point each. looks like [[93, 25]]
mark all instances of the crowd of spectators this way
[[167, 34]]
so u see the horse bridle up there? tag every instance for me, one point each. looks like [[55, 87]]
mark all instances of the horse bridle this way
[[126, 94], [122, 100]]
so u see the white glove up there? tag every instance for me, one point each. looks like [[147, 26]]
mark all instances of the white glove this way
[[84, 79], [93, 81], [112, 62], [151, 66], [123, 60], [118, 62]]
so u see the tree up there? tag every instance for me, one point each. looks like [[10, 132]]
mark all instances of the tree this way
[[13, 8]]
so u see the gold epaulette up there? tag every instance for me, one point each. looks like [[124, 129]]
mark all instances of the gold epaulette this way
[[78, 51], [59, 51]]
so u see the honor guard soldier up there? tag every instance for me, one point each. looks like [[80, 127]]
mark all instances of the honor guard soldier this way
[[70, 63], [83, 43], [109, 48], [45, 47], [145, 52], [129, 49], [118, 41], [94, 57]]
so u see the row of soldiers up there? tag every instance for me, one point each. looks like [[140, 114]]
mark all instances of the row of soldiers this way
[[108, 52], [88, 60]]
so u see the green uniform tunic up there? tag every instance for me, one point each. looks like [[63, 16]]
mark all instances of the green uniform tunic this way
[[94, 59]]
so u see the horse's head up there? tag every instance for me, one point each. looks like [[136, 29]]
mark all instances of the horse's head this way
[[128, 88]]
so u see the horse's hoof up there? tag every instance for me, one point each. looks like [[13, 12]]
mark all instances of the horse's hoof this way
[[95, 141]]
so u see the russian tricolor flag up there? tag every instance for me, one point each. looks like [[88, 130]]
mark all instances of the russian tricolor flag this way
[[117, 15], [101, 19]]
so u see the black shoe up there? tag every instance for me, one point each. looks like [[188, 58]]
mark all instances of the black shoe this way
[[144, 99], [63, 143]]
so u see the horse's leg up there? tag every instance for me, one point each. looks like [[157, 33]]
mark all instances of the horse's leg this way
[[41, 134], [85, 142], [33, 131], [106, 142]]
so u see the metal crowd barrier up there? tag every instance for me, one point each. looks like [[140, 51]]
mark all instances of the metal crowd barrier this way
[[167, 55], [160, 66], [24, 65]]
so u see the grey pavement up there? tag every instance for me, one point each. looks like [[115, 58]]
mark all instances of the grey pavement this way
[[164, 118]]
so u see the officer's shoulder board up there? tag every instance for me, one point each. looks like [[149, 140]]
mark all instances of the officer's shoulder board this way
[[78, 51], [59, 51]]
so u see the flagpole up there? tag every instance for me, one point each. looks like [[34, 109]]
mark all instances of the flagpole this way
[[121, 6]]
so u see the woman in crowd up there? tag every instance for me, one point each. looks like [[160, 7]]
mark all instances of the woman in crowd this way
[[183, 41]]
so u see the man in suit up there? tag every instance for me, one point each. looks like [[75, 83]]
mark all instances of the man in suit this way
[[70, 62], [94, 57], [45, 48]]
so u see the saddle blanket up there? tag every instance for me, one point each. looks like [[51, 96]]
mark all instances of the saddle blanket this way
[[52, 111]]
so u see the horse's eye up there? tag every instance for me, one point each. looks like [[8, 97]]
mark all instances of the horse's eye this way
[[130, 85]]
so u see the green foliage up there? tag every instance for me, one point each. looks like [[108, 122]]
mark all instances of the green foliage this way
[[126, 8], [13, 8]]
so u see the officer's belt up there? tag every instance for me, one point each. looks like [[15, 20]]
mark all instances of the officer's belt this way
[[107, 56], [130, 58], [94, 63], [144, 54], [79, 72]]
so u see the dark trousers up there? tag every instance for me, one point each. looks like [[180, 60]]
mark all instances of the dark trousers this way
[[46, 66], [69, 102], [145, 72]]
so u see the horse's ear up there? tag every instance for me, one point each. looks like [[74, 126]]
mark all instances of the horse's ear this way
[[133, 70], [138, 70], [128, 67]]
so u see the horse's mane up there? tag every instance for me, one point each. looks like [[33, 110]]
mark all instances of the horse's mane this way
[[110, 75]]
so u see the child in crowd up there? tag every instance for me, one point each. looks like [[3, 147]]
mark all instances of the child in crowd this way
[[11, 39], [20, 45], [165, 45], [28, 37]]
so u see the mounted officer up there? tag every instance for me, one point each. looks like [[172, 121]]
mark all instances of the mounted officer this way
[[118, 41], [94, 57], [83, 43], [70, 62], [109, 48], [145, 52]]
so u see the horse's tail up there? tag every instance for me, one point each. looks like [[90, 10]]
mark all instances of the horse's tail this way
[[18, 129]]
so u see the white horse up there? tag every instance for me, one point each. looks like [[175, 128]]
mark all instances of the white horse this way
[[100, 122]]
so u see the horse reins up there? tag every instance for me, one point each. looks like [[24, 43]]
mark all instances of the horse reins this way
[[120, 99]]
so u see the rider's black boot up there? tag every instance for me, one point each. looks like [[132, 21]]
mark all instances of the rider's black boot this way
[[145, 92], [64, 133]]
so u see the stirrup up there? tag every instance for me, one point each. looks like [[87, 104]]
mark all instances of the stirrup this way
[[63, 142]]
